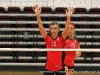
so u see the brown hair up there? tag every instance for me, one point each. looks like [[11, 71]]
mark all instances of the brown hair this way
[[54, 23]]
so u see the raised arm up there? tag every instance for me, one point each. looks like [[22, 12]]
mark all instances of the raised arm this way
[[68, 14], [40, 25]]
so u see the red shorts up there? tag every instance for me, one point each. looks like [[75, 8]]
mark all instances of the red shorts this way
[[69, 60]]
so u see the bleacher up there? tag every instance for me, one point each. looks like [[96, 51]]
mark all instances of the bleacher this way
[[19, 29]]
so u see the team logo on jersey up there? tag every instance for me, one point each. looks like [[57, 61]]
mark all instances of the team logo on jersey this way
[[72, 45], [74, 40], [57, 66], [54, 44]]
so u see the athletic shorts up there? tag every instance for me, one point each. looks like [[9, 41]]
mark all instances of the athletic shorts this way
[[69, 62], [60, 72], [69, 67]]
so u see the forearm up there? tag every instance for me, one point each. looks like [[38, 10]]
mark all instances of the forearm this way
[[68, 21], [40, 25], [39, 21], [67, 24]]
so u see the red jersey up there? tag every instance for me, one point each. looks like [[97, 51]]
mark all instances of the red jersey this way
[[54, 58], [70, 55]]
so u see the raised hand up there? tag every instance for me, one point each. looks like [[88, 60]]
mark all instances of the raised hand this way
[[36, 9], [70, 11]]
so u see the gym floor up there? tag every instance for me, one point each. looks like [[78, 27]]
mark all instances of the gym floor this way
[[36, 73]]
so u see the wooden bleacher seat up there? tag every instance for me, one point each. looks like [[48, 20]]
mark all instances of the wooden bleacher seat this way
[[5, 18], [46, 10], [20, 25], [28, 10], [80, 10], [97, 18], [60, 10], [14, 10], [2, 10], [5, 25], [84, 18], [94, 11], [21, 18], [53, 18]]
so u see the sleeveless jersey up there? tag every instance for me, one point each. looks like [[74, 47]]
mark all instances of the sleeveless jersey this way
[[54, 58], [70, 55]]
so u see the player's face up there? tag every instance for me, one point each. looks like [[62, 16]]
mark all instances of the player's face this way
[[54, 29], [71, 30]]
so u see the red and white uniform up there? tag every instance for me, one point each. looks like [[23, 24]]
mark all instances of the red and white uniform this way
[[70, 55], [54, 58]]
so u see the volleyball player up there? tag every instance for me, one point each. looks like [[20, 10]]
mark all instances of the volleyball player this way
[[71, 43], [53, 39]]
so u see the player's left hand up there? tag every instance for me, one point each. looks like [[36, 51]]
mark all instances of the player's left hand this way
[[78, 54]]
